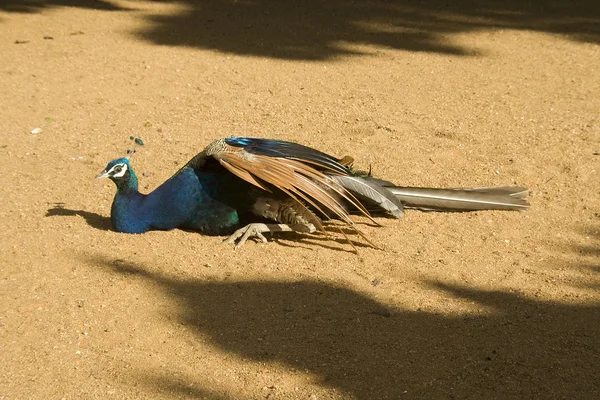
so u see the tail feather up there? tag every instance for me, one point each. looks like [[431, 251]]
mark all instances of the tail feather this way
[[372, 194], [490, 198]]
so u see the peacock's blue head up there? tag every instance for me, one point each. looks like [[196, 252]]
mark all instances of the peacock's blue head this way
[[119, 171]]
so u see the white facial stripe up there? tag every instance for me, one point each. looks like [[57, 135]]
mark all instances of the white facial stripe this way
[[117, 171]]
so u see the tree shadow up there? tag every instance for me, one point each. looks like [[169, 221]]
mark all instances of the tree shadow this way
[[589, 253], [301, 30], [582, 257], [31, 6], [514, 347], [592, 249], [318, 30], [94, 220]]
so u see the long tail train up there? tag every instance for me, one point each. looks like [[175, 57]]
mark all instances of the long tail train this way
[[489, 198]]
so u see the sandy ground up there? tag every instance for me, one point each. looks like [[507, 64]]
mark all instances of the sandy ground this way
[[482, 305]]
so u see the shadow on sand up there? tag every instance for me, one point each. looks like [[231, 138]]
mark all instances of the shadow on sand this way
[[94, 220], [520, 348], [318, 30]]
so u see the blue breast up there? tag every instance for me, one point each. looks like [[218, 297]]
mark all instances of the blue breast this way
[[180, 202]]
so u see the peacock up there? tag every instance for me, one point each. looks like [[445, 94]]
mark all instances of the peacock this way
[[245, 187]]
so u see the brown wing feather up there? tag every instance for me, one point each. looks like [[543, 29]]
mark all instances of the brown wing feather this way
[[336, 187], [295, 178], [242, 173]]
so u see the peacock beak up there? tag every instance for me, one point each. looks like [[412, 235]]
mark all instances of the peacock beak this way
[[103, 174]]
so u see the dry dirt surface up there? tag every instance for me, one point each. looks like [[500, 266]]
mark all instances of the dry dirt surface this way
[[484, 305]]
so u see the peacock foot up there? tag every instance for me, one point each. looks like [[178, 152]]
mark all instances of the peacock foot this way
[[256, 230]]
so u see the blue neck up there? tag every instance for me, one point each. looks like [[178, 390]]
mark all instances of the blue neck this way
[[126, 186]]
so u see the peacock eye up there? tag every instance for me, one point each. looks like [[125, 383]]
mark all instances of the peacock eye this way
[[118, 169]]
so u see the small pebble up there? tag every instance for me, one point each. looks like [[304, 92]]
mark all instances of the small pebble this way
[[35, 131]]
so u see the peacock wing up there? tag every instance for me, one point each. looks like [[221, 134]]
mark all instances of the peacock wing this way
[[298, 171]]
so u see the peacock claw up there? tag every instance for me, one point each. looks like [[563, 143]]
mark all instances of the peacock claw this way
[[251, 230], [257, 229]]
